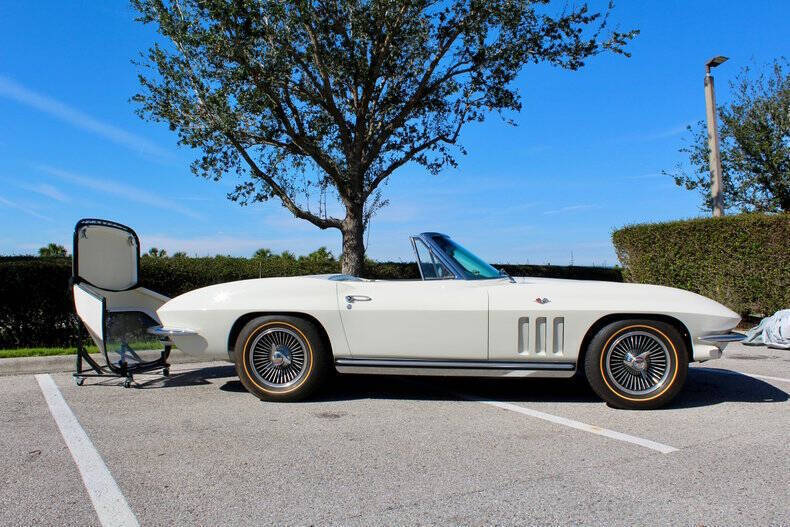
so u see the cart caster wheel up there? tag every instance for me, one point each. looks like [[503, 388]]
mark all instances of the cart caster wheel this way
[[166, 372], [127, 383], [79, 381]]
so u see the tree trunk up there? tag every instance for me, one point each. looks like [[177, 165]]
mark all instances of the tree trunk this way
[[353, 230]]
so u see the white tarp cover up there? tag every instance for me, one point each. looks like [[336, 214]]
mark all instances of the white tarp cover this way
[[773, 331]]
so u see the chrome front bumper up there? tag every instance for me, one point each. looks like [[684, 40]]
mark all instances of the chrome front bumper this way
[[707, 347]]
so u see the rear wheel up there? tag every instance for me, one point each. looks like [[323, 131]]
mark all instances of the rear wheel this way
[[637, 364], [281, 358]]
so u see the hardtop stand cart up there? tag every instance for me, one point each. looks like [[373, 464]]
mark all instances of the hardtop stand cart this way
[[115, 311]]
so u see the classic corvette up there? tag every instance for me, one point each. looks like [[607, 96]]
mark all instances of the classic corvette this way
[[632, 342]]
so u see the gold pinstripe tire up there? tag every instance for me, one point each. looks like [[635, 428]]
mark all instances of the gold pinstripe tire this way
[[637, 364], [281, 358]]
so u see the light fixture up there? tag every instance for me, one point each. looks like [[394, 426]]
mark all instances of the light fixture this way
[[715, 61]]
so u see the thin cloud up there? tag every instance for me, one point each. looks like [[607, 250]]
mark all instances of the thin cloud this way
[[572, 208], [646, 176], [653, 135], [120, 189], [663, 134], [14, 205], [536, 149], [22, 95], [47, 190]]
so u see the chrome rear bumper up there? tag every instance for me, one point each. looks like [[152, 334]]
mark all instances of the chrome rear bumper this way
[[732, 336], [161, 331]]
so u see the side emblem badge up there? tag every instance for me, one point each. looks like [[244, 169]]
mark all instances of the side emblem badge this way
[[542, 300]]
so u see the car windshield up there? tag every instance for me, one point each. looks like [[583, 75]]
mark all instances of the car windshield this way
[[474, 267]]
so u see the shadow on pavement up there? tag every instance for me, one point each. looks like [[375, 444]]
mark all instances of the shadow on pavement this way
[[704, 387], [445, 388], [197, 377], [708, 386]]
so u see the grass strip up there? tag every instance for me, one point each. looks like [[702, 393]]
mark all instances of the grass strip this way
[[46, 352], [41, 352]]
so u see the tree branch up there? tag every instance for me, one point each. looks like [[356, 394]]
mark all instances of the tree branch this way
[[407, 108], [322, 223], [326, 88], [408, 156]]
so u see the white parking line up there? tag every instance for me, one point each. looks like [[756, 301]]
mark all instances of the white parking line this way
[[107, 498], [664, 449], [734, 372]]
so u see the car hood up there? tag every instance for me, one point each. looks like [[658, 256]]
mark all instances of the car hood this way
[[623, 297]]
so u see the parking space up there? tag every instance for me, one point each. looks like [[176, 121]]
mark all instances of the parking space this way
[[196, 448]]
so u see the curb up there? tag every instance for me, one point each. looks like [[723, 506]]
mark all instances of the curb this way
[[66, 363]]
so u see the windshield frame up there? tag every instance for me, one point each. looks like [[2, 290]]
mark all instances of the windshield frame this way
[[435, 242]]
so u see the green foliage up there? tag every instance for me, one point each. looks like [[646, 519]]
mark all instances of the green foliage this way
[[172, 277], [262, 254], [573, 272], [153, 252], [37, 309], [304, 97], [754, 144], [52, 249], [320, 256], [741, 261]]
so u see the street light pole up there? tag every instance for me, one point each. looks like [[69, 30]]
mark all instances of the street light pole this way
[[713, 138]]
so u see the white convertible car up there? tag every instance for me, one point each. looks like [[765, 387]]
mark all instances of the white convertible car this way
[[632, 342]]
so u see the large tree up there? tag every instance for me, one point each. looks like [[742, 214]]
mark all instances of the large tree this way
[[754, 144], [310, 101]]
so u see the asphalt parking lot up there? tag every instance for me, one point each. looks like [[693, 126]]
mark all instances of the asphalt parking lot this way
[[197, 449]]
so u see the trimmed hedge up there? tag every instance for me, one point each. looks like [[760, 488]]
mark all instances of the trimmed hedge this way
[[37, 310], [36, 306], [740, 261]]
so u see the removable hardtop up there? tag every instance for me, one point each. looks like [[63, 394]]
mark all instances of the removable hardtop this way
[[115, 310]]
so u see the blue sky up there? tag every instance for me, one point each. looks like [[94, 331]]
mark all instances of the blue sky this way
[[585, 159]]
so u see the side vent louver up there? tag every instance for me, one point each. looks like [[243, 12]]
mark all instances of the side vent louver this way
[[558, 337], [523, 335], [540, 336], [546, 340]]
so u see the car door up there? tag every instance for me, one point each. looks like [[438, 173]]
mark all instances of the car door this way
[[443, 319]]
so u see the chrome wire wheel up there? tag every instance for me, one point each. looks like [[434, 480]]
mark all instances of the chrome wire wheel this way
[[278, 357], [638, 363]]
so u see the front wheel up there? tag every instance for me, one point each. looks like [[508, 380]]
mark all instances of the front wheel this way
[[281, 358], [637, 364]]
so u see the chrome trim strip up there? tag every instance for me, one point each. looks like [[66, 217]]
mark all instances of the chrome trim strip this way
[[161, 331], [417, 257], [454, 372], [440, 254], [732, 336], [437, 253], [455, 368], [493, 365]]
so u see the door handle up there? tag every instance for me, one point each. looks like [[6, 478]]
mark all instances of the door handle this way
[[357, 298]]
